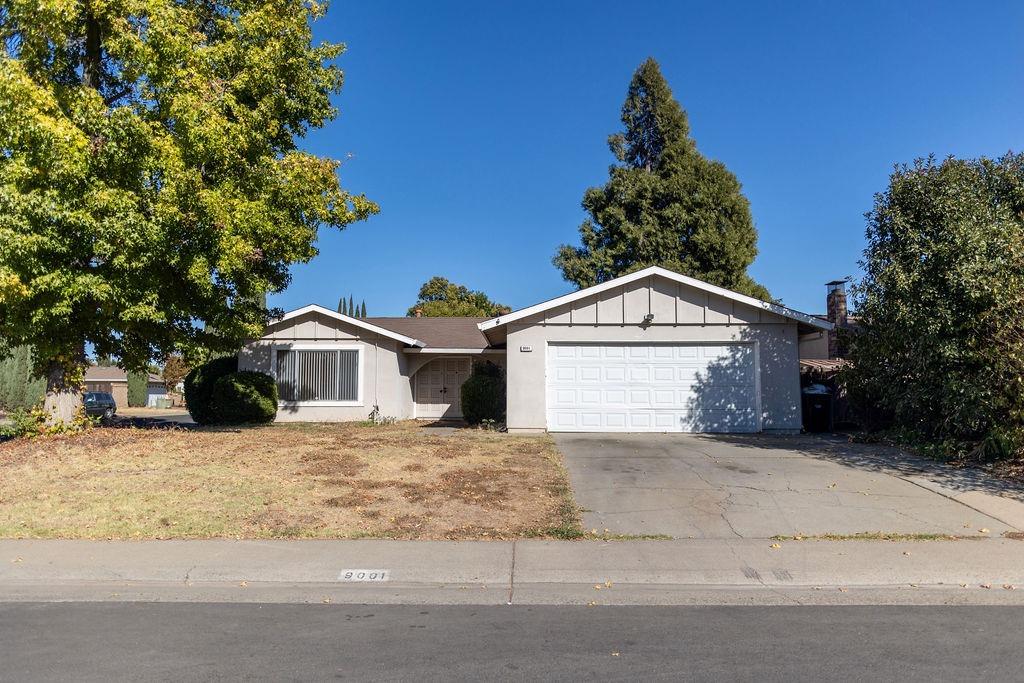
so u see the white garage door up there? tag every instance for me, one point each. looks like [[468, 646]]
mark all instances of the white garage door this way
[[651, 388]]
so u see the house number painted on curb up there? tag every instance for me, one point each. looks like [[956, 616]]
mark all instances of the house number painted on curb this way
[[363, 575]]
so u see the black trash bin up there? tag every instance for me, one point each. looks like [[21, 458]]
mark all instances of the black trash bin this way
[[817, 408]]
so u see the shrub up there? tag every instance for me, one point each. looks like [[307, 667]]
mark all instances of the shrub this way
[[483, 394], [939, 357], [199, 387], [245, 397]]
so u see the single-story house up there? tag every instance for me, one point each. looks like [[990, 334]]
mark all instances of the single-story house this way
[[650, 351], [114, 381]]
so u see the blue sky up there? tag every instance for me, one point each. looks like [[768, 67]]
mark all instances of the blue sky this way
[[478, 125]]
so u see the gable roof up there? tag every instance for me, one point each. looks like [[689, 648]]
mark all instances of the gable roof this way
[[357, 322], [437, 333], [811, 320]]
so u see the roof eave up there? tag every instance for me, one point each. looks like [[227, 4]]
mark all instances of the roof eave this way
[[314, 308], [647, 272]]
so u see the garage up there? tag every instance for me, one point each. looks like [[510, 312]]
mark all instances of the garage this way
[[653, 351], [652, 387]]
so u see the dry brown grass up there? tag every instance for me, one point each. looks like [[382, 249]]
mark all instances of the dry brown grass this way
[[284, 480]]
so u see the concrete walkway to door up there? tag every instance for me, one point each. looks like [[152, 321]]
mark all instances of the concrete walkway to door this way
[[756, 486]]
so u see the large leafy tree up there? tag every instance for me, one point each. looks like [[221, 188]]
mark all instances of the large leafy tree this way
[[151, 187], [664, 204], [441, 298], [940, 353]]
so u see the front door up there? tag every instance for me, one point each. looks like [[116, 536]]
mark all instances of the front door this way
[[439, 388]]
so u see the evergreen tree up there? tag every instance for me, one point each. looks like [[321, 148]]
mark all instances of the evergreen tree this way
[[20, 389], [664, 204], [351, 307], [138, 389], [362, 310], [342, 307]]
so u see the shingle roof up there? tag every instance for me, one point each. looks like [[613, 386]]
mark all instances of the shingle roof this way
[[112, 373], [437, 333]]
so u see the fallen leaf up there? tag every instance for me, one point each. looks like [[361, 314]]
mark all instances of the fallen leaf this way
[[844, 590], [833, 485], [598, 586], [907, 553], [607, 584], [983, 530], [986, 585], [16, 560], [775, 545], [615, 654], [1009, 586], [963, 585], [591, 604], [243, 584]]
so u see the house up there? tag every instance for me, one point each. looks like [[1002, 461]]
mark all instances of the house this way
[[828, 344], [650, 351], [114, 381]]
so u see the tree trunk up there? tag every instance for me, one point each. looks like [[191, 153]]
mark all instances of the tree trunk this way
[[63, 399], [92, 59]]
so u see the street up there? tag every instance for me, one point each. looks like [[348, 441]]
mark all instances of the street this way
[[150, 641]]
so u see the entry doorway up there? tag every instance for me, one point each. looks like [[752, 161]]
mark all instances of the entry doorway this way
[[438, 388]]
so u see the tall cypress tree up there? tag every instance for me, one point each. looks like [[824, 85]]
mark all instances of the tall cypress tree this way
[[664, 204], [351, 307], [362, 310], [341, 306]]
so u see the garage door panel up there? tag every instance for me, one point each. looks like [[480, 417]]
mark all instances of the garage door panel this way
[[662, 387]]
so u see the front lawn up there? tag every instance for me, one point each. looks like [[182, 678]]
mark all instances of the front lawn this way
[[285, 481]]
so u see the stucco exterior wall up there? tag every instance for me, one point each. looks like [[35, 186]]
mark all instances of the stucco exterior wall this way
[[384, 378], [814, 345], [681, 315]]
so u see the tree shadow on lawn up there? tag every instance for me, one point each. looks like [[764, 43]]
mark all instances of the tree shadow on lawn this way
[[875, 458]]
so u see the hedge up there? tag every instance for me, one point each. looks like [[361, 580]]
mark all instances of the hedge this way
[[199, 387], [245, 397]]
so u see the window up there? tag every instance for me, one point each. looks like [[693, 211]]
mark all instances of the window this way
[[320, 375]]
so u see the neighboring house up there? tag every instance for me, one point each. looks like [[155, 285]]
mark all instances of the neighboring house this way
[[648, 351], [114, 381], [827, 344]]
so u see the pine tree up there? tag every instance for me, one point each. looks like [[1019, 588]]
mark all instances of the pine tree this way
[[362, 310], [341, 306], [664, 204]]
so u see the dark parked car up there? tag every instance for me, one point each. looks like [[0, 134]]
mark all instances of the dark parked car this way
[[99, 403]]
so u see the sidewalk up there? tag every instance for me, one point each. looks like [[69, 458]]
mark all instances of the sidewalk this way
[[520, 572]]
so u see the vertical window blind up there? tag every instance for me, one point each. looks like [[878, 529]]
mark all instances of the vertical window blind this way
[[330, 375]]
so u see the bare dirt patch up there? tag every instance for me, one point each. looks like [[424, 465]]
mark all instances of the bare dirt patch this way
[[284, 481]]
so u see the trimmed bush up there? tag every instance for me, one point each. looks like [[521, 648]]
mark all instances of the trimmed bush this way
[[245, 397], [199, 387], [483, 394]]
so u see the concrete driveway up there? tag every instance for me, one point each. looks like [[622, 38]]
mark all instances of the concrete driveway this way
[[754, 486]]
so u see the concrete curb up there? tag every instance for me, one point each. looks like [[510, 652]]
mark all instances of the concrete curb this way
[[543, 572]]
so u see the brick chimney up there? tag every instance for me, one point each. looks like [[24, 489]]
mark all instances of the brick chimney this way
[[837, 315]]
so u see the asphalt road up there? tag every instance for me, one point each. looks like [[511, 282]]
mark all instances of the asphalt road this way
[[146, 641]]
